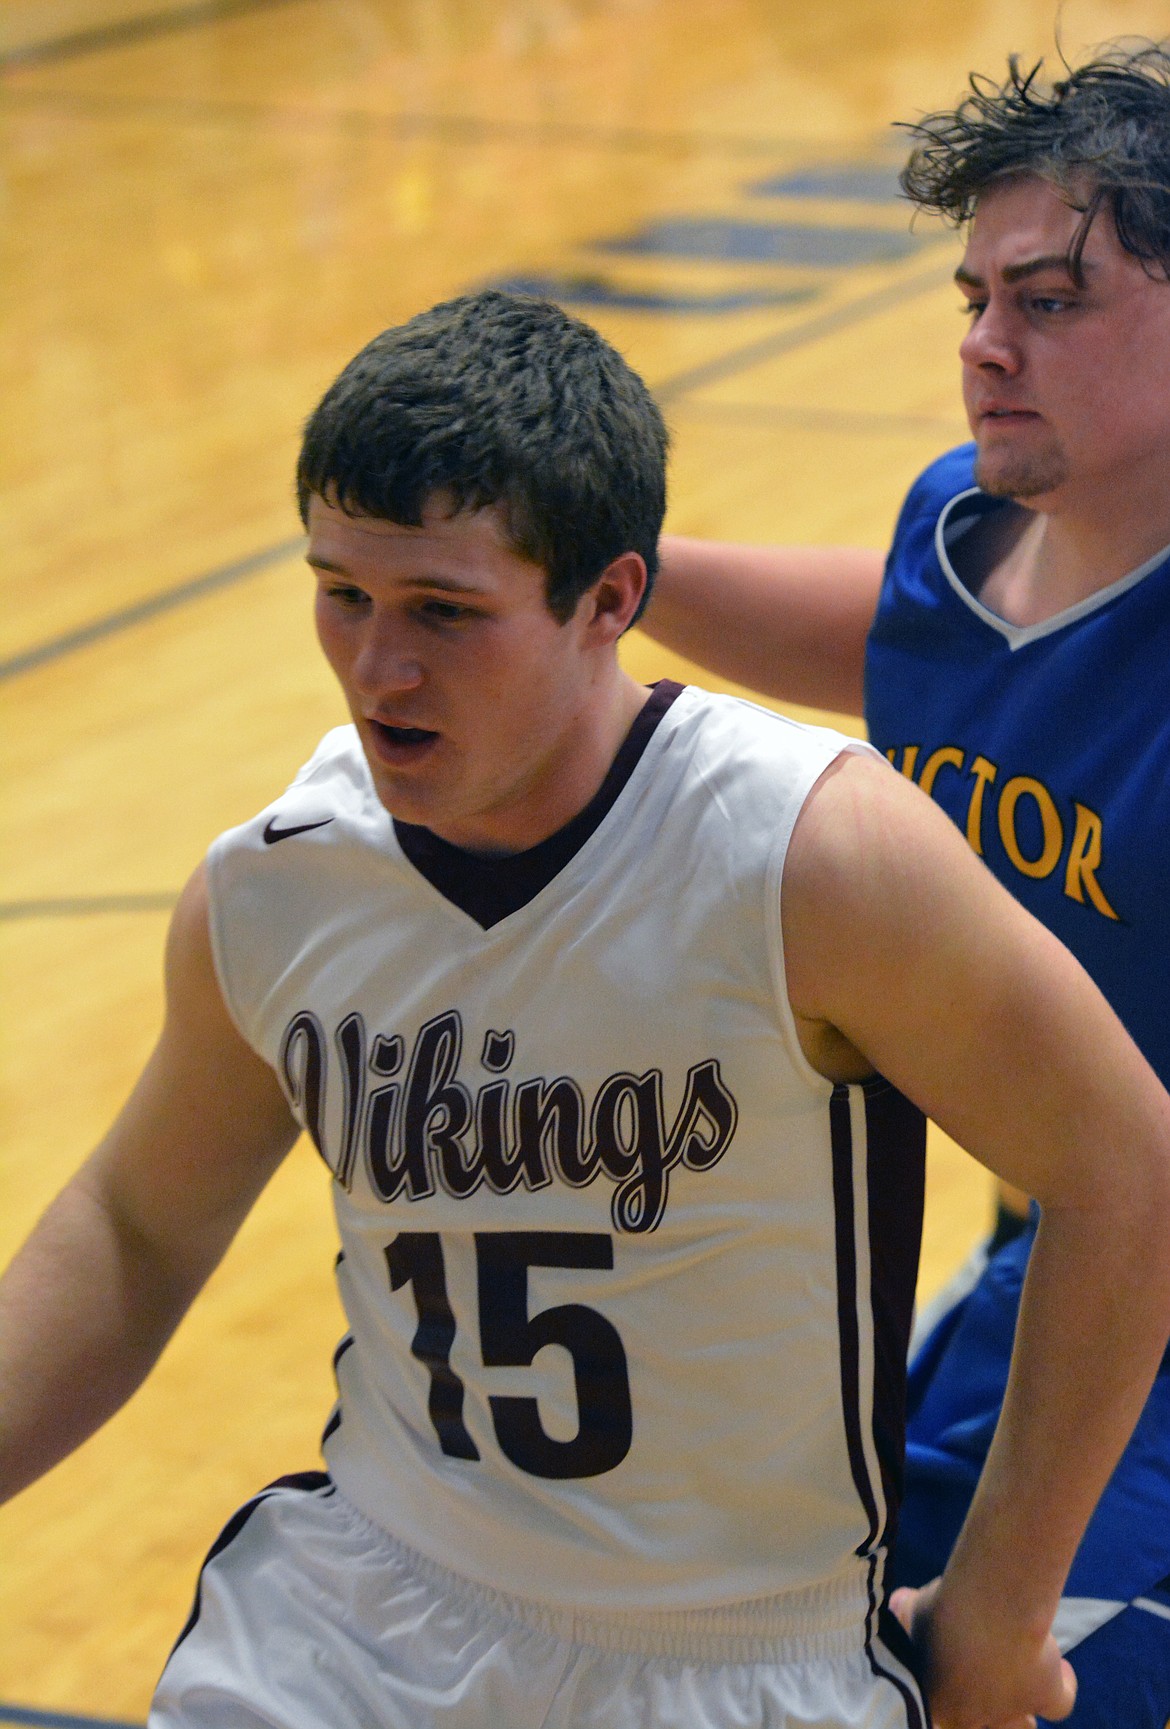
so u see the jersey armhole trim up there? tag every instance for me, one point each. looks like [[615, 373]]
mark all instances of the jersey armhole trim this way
[[773, 924]]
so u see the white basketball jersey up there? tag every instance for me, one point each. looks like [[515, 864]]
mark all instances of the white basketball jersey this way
[[626, 1329]]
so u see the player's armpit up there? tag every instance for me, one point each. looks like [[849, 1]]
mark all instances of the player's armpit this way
[[788, 621]]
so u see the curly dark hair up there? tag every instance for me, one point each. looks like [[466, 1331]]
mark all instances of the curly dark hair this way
[[498, 399], [1101, 136]]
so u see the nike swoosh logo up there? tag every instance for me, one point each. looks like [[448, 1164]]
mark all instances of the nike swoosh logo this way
[[272, 834]]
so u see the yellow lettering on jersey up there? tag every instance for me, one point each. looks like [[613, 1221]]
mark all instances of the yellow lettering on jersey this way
[[909, 758], [948, 753], [1084, 854], [1084, 858], [1021, 786], [983, 772]]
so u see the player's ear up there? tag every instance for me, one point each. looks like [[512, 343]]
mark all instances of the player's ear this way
[[614, 598]]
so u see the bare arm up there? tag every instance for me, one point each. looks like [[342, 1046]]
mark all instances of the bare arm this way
[[97, 1290], [790, 622], [900, 945]]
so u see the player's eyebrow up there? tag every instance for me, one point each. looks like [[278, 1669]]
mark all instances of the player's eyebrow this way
[[446, 584], [1020, 272]]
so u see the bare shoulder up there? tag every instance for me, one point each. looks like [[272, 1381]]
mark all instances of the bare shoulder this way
[[206, 1061], [207, 1122], [866, 832], [901, 948], [190, 964], [879, 883], [886, 907], [872, 864]]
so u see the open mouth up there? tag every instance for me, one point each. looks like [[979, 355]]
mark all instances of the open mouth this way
[[405, 734], [399, 743]]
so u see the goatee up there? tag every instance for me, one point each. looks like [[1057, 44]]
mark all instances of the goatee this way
[[1004, 475]]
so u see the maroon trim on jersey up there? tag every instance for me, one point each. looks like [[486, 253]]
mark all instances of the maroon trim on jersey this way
[[896, 1177], [489, 887], [895, 1181], [898, 1645], [841, 1139], [334, 1422]]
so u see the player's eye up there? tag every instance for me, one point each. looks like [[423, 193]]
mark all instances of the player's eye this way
[[444, 611]]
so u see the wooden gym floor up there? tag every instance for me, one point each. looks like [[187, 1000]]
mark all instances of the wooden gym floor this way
[[209, 207]]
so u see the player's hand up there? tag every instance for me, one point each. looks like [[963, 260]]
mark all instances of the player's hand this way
[[981, 1676]]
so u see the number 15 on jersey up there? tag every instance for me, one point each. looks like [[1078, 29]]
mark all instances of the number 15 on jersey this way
[[510, 1338]]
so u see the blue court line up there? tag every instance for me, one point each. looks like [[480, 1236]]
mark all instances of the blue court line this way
[[128, 31], [809, 330], [60, 1719], [151, 607], [84, 906], [860, 182], [575, 288], [736, 240]]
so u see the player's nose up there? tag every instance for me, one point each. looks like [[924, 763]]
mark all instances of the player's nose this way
[[991, 341], [387, 660]]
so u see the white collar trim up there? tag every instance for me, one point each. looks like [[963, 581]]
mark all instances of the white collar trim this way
[[1016, 635]]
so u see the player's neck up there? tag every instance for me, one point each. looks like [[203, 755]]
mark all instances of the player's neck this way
[[566, 780], [1041, 563]]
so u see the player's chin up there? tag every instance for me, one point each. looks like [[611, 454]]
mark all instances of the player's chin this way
[[1011, 474], [411, 794]]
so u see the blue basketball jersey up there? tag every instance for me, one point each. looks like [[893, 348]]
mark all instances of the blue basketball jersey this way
[[1048, 744]]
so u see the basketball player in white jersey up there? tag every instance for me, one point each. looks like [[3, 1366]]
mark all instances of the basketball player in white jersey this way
[[604, 1008]]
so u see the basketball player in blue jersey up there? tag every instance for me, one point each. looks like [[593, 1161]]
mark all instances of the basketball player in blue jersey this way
[[604, 1008], [1015, 665]]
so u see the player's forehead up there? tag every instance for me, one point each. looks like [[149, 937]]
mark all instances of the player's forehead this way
[[1025, 221], [470, 548]]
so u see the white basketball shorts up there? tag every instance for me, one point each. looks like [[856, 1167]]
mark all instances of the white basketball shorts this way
[[307, 1616]]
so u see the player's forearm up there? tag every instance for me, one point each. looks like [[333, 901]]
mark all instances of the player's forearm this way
[[1094, 1322], [85, 1309], [788, 621]]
